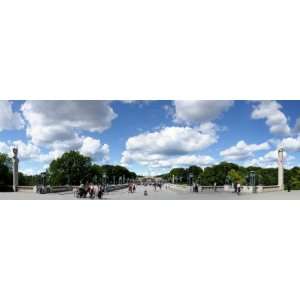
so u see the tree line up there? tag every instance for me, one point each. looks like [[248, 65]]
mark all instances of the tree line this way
[[74, 168], [71, 168], [229, 173]]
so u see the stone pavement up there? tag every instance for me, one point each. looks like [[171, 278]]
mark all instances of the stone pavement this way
[[164, 194]]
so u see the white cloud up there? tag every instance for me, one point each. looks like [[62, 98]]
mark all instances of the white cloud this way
[[4, 148], [93, 148], [270, 160], [51, 155], [172, 141], [242, 151], [290, 144], [170, 147], [59, 126], [183, 161], [50, 121], [25, 151], [275, 119], [9, 119], [197, 112], [87, 146]]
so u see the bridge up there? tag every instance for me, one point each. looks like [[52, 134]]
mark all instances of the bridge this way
[[169, 191]]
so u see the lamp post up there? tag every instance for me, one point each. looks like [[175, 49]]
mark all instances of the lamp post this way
[[191, 178], [15, 169], [43, 175], [252, 180]]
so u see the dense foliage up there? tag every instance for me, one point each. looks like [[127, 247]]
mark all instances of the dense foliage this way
[[229, 173], [73, 168], [5, 172]]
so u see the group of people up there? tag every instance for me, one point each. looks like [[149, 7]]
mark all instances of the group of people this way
[[237, 188], [90, 190], [195, 188], [157, 185], [131, 188]]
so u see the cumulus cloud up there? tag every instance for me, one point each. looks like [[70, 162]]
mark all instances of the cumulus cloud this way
[[275, 118], [172, 140], [170, 147], [165, 162], [60, 126], [270, 160], [197, 112], [93, 148], [9, 120], [242, 150], [290, 144], [4, 148], [50, 121], [87, 146], [26, 150]]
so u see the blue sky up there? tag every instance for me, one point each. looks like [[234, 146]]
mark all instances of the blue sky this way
[[151, 137]]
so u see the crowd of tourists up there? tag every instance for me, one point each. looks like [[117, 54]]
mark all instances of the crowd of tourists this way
[[131, 188], [90, 190]]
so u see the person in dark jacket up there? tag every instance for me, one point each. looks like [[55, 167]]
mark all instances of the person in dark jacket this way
[[289, 186]]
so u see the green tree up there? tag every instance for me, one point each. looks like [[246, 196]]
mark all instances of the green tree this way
[[195, 171], [293, 178], [180, 174], [5, 169], [71, 168], [236, 176]]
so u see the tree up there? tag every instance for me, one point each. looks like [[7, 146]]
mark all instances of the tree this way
[[195, 171], [293, 178], [5, 169], [180, 174], [235, 177], [71, 168]]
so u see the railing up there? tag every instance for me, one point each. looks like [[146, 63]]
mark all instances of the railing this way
[[201, 188], [211, 188], [25, 188], [270, 188]]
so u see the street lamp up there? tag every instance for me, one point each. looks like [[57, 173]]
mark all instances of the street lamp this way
[[252, 178], [43, 175], [191, 178]]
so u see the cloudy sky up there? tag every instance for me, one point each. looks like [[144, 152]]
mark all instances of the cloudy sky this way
[[150, 137]]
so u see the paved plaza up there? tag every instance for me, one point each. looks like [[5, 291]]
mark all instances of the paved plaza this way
[[164, 194]]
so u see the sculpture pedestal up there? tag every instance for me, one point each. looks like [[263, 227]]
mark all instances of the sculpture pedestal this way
[[15, 174]]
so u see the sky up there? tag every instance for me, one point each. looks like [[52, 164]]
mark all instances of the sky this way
[[152, 137]]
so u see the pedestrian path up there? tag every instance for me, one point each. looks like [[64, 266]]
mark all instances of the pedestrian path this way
[[163, 194]]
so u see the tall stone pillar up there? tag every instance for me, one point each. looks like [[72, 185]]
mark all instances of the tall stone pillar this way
[[280, 170], [15, 161]]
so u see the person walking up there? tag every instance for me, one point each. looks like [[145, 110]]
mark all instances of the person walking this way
[[289, 186], [100, 192], [238, 188], [235, 187]]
